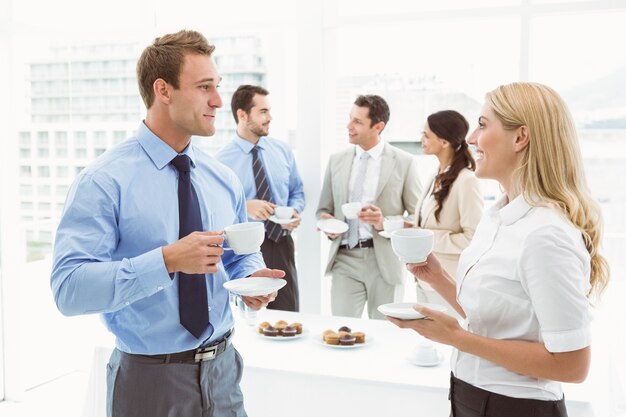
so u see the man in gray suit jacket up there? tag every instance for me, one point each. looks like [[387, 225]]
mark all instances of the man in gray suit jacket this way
[[384, 179]]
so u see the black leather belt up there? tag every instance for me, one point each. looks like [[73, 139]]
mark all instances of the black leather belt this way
[[201, 354], [369, 243]]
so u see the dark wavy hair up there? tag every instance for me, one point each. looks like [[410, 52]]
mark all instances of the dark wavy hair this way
[[452, 127]]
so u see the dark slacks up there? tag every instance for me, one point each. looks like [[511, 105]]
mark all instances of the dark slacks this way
[[281, 255], [470, 401]]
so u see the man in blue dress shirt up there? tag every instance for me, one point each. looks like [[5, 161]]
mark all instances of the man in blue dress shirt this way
[[118, 252], [257, 159]]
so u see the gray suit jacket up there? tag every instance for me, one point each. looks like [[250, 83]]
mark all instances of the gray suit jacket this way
[[398, 191]]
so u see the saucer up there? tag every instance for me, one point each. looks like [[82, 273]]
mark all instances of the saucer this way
[[385, 234], [275, 219], [405, 311], [426, 364], [332, 226], [254, 286]]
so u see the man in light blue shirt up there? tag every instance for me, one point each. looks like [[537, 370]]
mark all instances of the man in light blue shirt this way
[[267, 169], [118, 252]]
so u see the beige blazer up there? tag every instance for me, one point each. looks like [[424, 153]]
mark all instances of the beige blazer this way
[[461, 212], [398, 190]]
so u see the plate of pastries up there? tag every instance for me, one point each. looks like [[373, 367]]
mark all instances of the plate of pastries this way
[[280, 330], [344, 338]]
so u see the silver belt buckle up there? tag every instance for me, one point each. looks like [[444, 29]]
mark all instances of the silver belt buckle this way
[[205, 354]]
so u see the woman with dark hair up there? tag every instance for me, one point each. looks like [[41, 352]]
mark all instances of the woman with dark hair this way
[[452, 204]]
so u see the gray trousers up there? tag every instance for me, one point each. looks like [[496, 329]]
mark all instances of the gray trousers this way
[[141, 386], [356, 280]]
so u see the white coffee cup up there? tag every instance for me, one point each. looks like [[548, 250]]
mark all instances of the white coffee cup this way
[[245, 238], [425, 354], [283, 212], [392, 224], [351, 210], [412, 245]]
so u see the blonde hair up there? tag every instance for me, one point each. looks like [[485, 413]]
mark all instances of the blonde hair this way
[[552, 166]]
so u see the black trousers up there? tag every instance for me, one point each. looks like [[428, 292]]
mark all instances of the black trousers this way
[[281, 255], [469, 401]]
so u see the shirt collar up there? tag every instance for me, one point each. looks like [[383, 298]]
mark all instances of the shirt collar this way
[[160, 152], [247, 146], [374, 153], [511, 212]]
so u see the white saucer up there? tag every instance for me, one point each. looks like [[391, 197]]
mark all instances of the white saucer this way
[[405, 311], [384, 234], [281, 338], [275, 219], [426, 364], [254, 286], [332, 226]]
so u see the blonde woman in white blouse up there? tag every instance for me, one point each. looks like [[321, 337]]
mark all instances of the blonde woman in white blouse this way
[[525, 281], [451, 206]]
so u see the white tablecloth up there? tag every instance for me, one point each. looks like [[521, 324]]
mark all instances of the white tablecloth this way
[[304, 377]]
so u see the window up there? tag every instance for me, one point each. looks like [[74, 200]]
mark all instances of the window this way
[[26, 189], [24, 138], [43, 206], [61, 171], [60, 138], [43, 190], [61, 190], [42, 138], [25, 171], [43, 172]]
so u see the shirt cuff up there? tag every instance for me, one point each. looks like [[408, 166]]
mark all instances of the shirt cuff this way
[[150, 271], [567, 341]]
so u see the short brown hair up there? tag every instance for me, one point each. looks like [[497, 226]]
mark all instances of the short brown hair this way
[[378, 108], [242, 98], [164, 59]]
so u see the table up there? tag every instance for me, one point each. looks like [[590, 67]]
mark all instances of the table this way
[[304, 377]]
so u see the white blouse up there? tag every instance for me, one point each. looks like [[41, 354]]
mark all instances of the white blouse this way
[[524, 276]]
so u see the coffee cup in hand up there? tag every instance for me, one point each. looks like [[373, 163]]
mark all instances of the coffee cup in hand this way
[[393, 224], [283, 212], [245, 238], [351, 210], [412, 246]]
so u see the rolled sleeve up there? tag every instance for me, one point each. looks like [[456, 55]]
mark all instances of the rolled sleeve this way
[[555, 270]]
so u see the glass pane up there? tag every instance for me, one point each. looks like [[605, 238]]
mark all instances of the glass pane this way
[[591, 75], [376, 7], [423, 68]]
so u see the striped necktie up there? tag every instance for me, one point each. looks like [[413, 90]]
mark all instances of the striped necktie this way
[[273, 230], [355, 196], [193, 306]]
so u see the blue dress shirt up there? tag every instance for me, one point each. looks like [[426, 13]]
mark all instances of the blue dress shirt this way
[[280, 169], [108, 259]]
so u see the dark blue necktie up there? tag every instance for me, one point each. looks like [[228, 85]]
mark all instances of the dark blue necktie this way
[[273, 230], [192, 297]]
